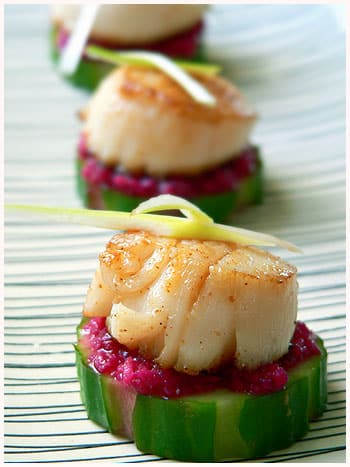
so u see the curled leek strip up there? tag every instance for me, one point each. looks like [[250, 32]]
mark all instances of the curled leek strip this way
[[124, 58], [196, 226], [167, 202], [196, 90], [75, 47]]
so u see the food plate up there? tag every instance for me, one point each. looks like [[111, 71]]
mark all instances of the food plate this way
[[290, 62]]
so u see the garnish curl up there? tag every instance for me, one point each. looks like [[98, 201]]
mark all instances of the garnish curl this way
[[156, 60], [124, 58], [74, 49], [168, 202], [197, 226]]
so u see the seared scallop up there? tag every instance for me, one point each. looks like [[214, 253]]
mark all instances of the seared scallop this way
[[195, 305], [143, 121], [133, 24]]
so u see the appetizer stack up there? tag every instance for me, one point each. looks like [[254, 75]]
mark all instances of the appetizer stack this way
[[171, 29], [144, 135], [186, 343], [189, 334]]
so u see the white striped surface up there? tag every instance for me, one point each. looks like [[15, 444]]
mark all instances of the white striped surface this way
[[290, 61]]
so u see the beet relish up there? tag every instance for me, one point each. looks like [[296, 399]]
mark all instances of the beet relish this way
[[226, 177], [108, 357]]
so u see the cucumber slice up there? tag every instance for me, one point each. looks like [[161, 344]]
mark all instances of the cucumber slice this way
[[88, 74], [217, 426], [217, 206]]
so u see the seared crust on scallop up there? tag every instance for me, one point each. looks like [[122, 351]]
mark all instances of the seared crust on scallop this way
[[133, 24], [194, 305], [147, 86], [143, 120]]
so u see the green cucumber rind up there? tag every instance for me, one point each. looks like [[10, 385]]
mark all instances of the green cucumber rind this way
[[88, 74], [210, 427], [218, 206]]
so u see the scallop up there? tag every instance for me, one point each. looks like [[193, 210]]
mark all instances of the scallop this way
[[195, 305], [143, 121], [133, 24]]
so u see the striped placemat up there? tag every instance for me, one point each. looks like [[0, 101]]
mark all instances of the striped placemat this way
[[290, 62]]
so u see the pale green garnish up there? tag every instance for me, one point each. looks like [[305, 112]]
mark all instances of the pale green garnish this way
[[74, 49], [198, 226], [124, 58], [151, 59], [209, 69], [168, 202]]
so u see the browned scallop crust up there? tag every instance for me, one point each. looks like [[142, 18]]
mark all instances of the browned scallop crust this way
[[151, 86], [128, 251]]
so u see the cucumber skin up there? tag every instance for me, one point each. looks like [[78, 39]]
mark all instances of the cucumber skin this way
[[88, 74], [218, 206], [216, 426]]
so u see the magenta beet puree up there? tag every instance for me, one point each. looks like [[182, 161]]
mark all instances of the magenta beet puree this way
[[108, 357], [223, 178], [183, 44]]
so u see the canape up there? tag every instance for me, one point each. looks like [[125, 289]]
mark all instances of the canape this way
[[190, 345], [172, 29], [144, 135]]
